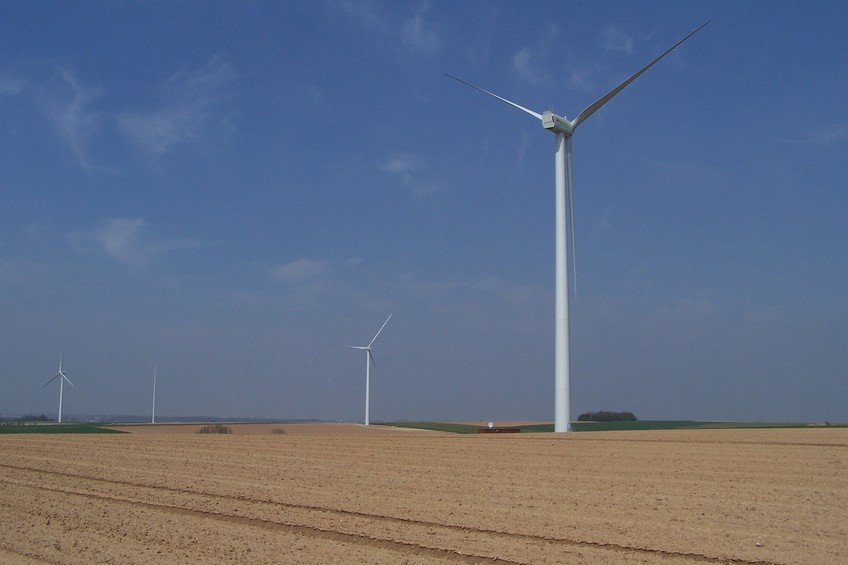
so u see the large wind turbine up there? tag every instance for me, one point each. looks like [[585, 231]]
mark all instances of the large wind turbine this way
[[564, 129], [62, 378], [369, 360]]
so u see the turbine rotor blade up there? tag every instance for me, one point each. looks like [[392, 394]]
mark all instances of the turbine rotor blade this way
[[591, 109], [51, 380], [381, 329], [493, 95], [67, 379], [569, 187]]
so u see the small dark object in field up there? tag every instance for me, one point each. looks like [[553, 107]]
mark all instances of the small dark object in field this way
[[215, 429]]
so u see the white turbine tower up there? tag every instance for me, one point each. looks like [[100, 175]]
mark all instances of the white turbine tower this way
[[153, 411], [369, 360], [62, 378], [564, 129]]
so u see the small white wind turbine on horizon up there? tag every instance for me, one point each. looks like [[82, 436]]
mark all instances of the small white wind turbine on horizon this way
[[153, 410], [62, 376], [369, 360], [564, 129]]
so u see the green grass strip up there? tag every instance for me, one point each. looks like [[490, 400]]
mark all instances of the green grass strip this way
[[74, 428], [608, 426]]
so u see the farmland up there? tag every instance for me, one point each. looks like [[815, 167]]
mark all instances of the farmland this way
[[345, 493]]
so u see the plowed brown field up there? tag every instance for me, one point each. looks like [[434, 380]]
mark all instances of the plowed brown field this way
[[320, 495]]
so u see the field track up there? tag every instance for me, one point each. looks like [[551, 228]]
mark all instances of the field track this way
[[345, 494]]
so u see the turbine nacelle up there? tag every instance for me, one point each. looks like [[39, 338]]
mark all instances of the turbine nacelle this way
[[557, 124]]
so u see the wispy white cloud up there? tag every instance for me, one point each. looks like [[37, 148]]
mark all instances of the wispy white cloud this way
[[189, 101], [580, 80], [416, 33], [307, 283], [419, 35], [300, 270], [408, 170], [402, 165], [526, 66], [119, 238], [365, 13], [11, 85], [616, 40], [827, 135], [74, 119], [524, 144], [127, 241], [529, 62]]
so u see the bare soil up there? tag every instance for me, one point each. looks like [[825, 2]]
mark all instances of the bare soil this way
[[343, 493]]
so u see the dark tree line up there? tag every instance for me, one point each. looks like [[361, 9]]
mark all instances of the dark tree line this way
[[606, 416], [24, 419]]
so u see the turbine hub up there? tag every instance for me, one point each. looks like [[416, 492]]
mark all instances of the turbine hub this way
[[557, 124]]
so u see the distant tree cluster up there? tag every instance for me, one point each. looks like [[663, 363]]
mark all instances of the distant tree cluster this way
[[215, 429], [606, 416], [24, 420]]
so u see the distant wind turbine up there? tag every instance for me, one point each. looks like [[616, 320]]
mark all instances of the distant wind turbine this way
[[153, 411], [369, 360], [564, 129], [62, 378]]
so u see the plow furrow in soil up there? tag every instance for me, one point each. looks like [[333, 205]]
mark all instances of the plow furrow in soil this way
[[398, 538]]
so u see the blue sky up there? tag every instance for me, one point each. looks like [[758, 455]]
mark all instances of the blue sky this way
[[226, 189]]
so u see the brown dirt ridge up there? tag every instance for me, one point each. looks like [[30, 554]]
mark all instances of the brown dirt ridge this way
[[333, 493]]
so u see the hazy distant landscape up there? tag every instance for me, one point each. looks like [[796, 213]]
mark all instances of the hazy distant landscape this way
[[103, 426]]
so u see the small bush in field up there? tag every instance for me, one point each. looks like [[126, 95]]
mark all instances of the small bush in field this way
[[215, 429], [278, 431]]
